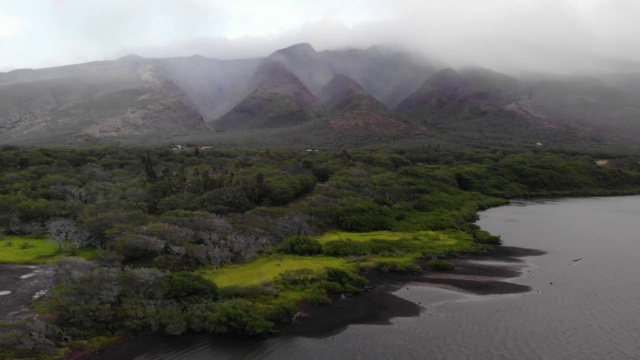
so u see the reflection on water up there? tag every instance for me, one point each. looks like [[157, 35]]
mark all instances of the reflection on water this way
[[585, 302]]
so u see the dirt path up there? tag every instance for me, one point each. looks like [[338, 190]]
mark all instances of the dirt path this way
[[18, 285]]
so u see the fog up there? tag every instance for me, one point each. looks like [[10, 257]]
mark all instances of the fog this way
[[558, 36]]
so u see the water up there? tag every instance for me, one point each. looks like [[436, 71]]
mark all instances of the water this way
[[584, 303]]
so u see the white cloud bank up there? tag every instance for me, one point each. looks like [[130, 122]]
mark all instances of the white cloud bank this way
[[535, 35]]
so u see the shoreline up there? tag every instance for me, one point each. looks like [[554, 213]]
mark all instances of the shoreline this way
[[475, 274], [481, 274]]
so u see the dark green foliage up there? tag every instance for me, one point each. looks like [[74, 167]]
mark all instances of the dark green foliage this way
[[343, 248], [282, 311], [322, 173], [398, 267], [345, 278], [239, 317], [231, 292], [317, 296], [301, 277], [318, 285], [485, 237], [302, 245], [440, 265], [188, 285], [361, 216], [30, 339]]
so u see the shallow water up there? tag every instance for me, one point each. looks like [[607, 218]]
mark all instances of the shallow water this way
[[584, 303]]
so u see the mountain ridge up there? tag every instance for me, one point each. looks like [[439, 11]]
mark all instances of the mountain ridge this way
[[350, 96]]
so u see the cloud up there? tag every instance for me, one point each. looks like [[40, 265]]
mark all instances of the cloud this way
[[12, 26], [508, 35], [535, 35]]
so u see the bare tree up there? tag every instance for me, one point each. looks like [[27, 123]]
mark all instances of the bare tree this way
[[66, 234]]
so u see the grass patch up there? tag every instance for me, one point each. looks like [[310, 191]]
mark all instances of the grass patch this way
[[425, 243], [267, 268], [29, 250], [364, 236]]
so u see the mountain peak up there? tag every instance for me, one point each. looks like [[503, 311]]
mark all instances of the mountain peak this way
[[132, 59], [339, 87], [302, 49], [278, 99], [273, 74], [446, 80]]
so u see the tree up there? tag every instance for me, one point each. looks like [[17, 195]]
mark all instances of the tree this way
[[66, 234], [147, 163]]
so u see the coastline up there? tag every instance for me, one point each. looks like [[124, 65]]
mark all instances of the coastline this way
[[481, 274], [487, 273]]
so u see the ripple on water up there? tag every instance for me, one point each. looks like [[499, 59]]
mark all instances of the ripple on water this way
[[5, 292]]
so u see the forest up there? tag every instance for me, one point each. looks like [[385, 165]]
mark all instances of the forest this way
[[233, 241]]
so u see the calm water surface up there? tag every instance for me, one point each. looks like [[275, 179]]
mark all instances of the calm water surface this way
[[585, 302]]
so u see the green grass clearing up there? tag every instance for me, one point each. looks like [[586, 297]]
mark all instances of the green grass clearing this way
[[425, 242], [266, 268], [433, 236], [29, 250]]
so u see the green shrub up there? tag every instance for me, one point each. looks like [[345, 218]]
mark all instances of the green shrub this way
[[378, 246], [236, 317], [440, 265], [300, 277], [282, 311], [361, 216], [317, 296], [234, 291], [26, 245], [331, 287], [345, 248], [397, 267], [485, 237], [345, 278], [182, 285], [302, 245]]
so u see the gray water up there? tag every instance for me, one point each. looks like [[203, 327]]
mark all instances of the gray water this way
[[585, 302]]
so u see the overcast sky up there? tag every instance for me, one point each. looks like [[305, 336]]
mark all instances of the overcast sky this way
[[538, 35]]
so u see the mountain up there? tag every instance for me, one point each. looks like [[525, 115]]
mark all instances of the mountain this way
[[126, 97], [214, 86], [305, 63], [387, 75], [587, 103], [470, 92], [482, 104], [355, 117], [278, 99], [341, 91], [298, 95]]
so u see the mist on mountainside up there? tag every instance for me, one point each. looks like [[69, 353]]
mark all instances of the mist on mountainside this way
[[298, 96]]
